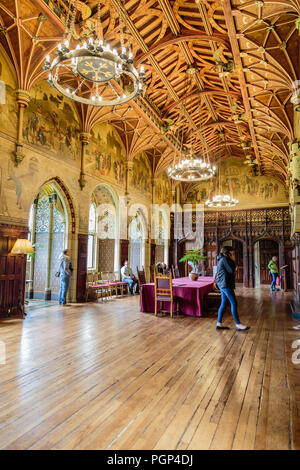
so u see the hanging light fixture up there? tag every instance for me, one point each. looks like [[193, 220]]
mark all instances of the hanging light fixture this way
[[221, 200], [190, 166], [93, 73]]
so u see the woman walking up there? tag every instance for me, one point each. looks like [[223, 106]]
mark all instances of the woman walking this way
[[226, 283], [273, 267], [65, 272]]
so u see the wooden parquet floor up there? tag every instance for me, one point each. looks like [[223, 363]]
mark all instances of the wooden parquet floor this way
[[108, 377]]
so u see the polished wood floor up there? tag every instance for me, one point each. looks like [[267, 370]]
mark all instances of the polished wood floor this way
[[108, 377]]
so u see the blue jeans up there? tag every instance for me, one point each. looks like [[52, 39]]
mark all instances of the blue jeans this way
[[274, 276], [131, 283], [64, 285], [228, 295]]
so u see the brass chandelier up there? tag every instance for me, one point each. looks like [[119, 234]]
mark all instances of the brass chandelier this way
[[93, 73], [191, 168], [220, 200]]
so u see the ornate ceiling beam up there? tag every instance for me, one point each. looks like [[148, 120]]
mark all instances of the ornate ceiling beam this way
[[203, 92], [236, 55], [188, 36]]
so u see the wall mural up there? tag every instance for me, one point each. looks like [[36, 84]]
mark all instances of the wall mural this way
[[50, 122], [162, 190], [141, 174], [106, 213], [237, 180], [9, 109], [105, 155]]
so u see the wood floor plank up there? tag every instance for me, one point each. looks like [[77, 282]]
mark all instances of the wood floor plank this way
[[105, 376]]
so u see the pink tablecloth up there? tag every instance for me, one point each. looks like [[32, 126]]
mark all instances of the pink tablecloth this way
[[191, 294]]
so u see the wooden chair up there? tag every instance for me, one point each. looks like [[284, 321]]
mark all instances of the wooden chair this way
[[141, 277], [113, 283], [212, 300], [90, 290], [107, 287], [163, 291], [175, 272]]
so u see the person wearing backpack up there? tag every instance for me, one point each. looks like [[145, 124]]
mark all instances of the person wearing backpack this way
[[64, 273], [274, 271]]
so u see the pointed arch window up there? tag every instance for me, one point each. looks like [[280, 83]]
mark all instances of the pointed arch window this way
[[92, 237]]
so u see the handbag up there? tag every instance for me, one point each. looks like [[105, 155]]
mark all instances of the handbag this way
[[57, 274]]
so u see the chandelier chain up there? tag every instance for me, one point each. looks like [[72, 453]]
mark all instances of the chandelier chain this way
[[67, 24], [99, 28], [72, 22]]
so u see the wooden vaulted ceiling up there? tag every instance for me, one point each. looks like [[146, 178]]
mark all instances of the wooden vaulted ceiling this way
[[246, 113]]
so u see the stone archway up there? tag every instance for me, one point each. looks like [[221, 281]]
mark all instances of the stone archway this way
[[52, 229]]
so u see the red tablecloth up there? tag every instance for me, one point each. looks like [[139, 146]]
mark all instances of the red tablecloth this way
[[191, 295]]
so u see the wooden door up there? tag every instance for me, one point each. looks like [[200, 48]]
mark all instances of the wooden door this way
[[290, 271], [12, 272], [82, 267], [267, 249], [237, 247], [210, 250]]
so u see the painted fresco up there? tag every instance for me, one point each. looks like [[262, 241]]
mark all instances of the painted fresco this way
[[105, 154], [50, 123], [237, 180], [141, 174], [162, 189], [9, 108]]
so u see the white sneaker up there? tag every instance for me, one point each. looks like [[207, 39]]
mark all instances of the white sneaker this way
[[242, 327]]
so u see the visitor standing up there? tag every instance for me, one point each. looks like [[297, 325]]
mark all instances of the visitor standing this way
[[65, 273], [273, 267], [226, 283]]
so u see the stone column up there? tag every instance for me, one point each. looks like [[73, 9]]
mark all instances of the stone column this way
[[84, 139], [23, 98], [49, 254], [33, 240]]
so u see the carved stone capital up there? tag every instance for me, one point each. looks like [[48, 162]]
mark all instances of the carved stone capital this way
[[129, 165], [23, 98], [18, 155], [82, 181], [84, 137]]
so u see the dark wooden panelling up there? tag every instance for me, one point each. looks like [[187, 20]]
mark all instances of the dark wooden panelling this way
[[12, 272], [152, 254], [123, 250], [82, 267], [267, 249], [244, 228]]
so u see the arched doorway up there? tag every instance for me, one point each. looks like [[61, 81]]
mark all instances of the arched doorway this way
[[136, 250], [103, 248], [264, 250], [48, 232]]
